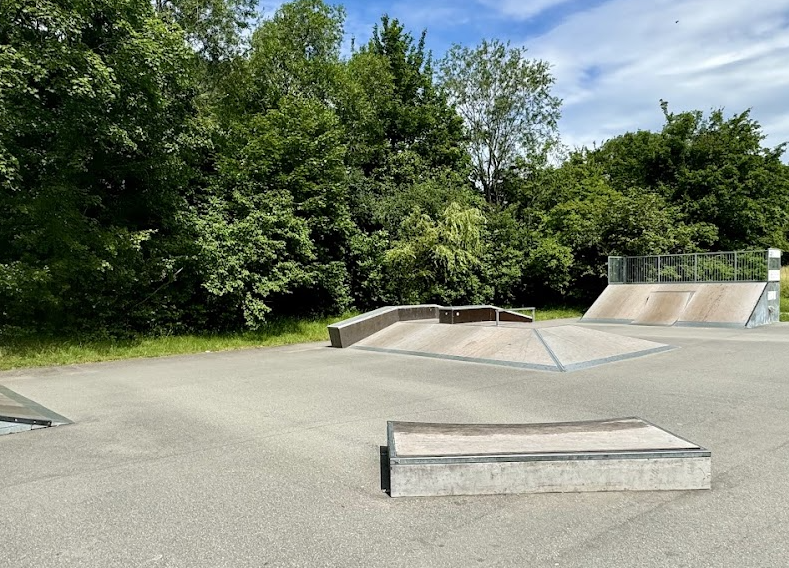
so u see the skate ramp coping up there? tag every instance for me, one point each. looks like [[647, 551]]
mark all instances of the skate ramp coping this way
[[623, 454]]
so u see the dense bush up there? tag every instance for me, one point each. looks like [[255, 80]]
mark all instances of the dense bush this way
[[163, 173]]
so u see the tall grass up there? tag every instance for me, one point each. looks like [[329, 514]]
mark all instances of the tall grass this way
[[785, 293]]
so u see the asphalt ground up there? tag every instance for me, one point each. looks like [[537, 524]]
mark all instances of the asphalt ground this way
[[270, 457]]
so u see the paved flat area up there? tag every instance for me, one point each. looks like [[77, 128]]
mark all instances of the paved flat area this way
[[270, 457]]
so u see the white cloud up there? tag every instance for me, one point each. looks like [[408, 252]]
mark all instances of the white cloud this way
[[614, 62], [520, 9]]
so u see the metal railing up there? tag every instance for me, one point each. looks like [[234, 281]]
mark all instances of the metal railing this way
[[735, 266]]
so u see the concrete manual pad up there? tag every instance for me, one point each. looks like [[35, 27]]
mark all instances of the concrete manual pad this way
[[561, 348], [626, 454]]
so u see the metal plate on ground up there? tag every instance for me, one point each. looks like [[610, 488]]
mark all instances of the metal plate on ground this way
[[625, 454]]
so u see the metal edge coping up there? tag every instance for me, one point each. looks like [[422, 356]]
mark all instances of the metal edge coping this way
[[564, 423], [697, 450], [500, 363], [390, 440], [615, 358], [377, 312], [56, 419], [553, 355], [552, 456]]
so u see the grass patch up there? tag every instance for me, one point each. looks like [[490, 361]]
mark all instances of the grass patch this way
[[784, 293], [558, 312], [18, 353]]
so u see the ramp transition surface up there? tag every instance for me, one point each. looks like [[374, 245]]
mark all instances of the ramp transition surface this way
[[730, 304], [562, 348]]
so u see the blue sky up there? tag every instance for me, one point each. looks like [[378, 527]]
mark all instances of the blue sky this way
[[613, 60]]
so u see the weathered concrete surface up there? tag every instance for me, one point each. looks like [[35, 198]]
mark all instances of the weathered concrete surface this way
[[352, 330], [270, 457], [626, 454], [560, 348], [18, 414], [725, 304], [663, 307], [576, 476], [613, 435]]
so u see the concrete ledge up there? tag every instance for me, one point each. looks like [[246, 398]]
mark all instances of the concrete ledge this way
[[348, 332], [470, 314], [352, 330], [626, 454]]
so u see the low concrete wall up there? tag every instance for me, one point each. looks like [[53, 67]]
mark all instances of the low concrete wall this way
[[348, 332]]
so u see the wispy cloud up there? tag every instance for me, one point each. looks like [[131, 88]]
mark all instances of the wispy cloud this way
[[615, 59], [522, 10], [614, 62]]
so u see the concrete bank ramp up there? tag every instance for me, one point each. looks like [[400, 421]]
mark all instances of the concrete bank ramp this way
[[562, 348], [730, 304]]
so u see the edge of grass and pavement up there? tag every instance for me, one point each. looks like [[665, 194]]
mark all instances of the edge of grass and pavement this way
[[22, 352], [25, 352]]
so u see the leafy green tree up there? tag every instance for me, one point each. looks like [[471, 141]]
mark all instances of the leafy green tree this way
[[294, 54], [96, 119], [438, 260], [275, 225], [507, 107], [394, 75], [716, 170], [214, 28]]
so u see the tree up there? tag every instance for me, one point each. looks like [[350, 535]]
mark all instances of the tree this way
[[96, 119], [296, 53], [214, 28], [438, 260], [505, 101], [393, 74], [715, 170]]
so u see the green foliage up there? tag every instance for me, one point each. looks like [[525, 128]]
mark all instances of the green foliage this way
[[93, 132], [714, 169], [214, 27], [276, 223], [163, 168], [438, 260], [505, 101]]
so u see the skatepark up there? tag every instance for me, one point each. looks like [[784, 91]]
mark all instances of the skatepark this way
[[272, 456]]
